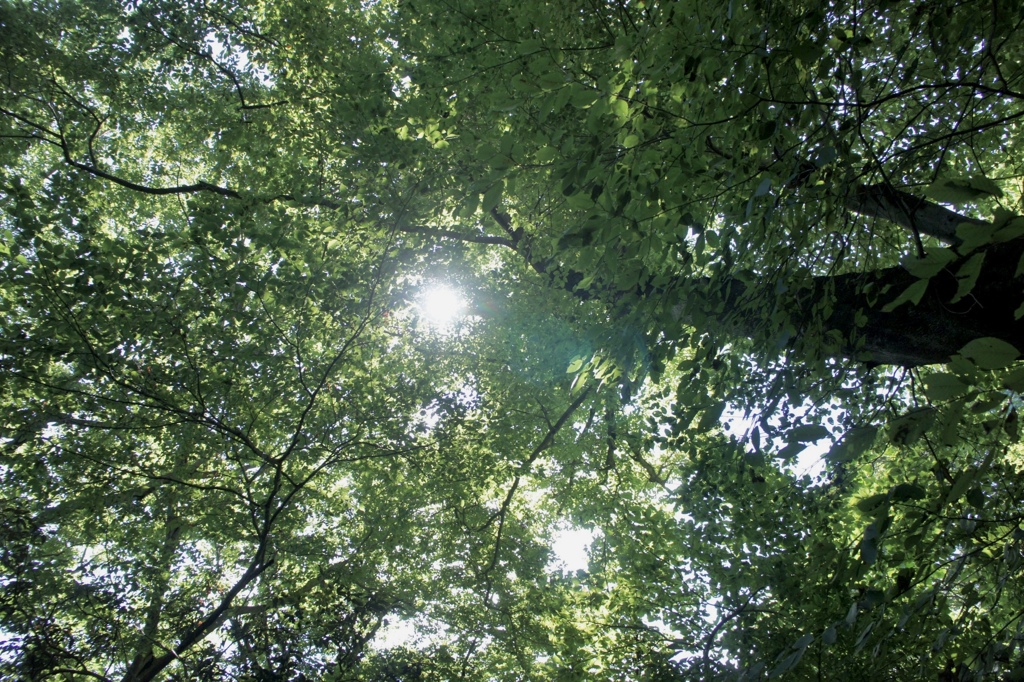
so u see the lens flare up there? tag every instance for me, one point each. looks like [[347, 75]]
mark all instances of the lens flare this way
[[441, 305]]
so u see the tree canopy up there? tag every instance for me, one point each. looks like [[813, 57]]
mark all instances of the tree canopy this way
[[743, 285]]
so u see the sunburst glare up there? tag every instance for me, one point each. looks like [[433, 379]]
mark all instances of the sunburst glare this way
[[441, 305]]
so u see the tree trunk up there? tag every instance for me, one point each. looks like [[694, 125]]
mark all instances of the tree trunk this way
[[928, 333], [934, 329], [911, 335]]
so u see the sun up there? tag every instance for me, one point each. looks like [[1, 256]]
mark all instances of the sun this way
[[441, 305]]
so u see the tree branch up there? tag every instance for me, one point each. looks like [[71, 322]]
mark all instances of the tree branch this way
[[144, 189], [152, 667], [912, 213], [546, 442], [450, 234]]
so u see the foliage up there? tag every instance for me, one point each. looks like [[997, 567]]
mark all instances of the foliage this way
[[701, 243]]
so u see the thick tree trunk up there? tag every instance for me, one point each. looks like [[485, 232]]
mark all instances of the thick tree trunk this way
[[910, 335], [934, 329]]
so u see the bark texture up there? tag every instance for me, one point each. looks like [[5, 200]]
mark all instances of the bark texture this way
[[911, 335], [914, 214]]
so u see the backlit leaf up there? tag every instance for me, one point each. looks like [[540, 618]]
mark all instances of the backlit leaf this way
[[990, 353]]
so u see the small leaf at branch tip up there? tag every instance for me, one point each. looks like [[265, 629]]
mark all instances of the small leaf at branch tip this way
[[912, 294]]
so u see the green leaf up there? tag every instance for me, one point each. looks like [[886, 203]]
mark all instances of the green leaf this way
[[907, 491], [711, 417], [829, 636], [932, 264], [911, 294], [972, 236], [787, 453], [468, 210], [630, 141], [1011, 230], [579, 236], [862, 639], [546, 154], [907, 429], [549, 80], [976, 497], [853, 444], [1014, 380], [870, 505], [943, 386], [962, 190], [786, 664], [961, 485], [869, 544], [492, 197], [825, 155], [990, 353], [808, 53], [766, 129], [967, 276], [528, 47], [583, 98], [808, 433], [620, 109], [575, 365]]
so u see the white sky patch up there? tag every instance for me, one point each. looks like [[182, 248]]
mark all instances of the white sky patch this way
[[441, 305], [397, 634], [417, 632], [402, 85], [571, 546], [809, 462]]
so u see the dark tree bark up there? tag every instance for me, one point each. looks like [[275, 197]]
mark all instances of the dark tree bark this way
[[927, 333], [934, 329], [911, 335], [914, 214]]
